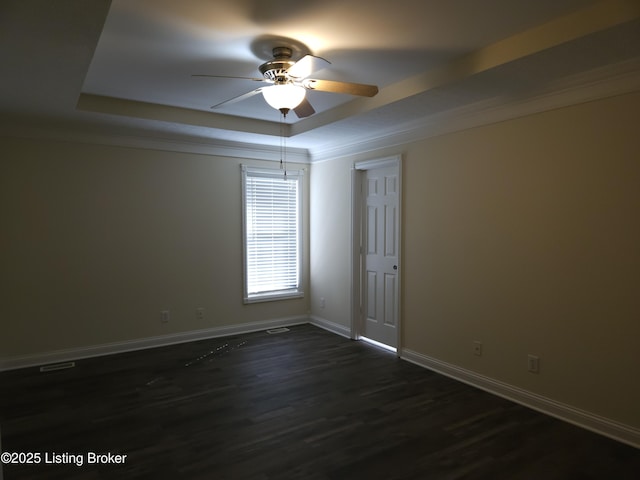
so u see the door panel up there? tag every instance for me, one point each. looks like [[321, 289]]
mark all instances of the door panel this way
[[372, 290], [390, 289], [380, 237], [389, 231], [372, 237]]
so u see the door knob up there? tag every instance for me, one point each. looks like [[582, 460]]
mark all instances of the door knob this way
[[395, 267]]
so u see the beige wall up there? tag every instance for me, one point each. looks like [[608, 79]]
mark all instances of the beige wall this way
[[97, 240], [331, 241], [524, 235]]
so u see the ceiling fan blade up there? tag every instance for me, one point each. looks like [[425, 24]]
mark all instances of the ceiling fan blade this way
[[304, 109], [228, 76], [239, 98], [340, 87], [306, 66]]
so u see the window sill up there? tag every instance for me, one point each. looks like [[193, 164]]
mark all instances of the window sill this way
[[274, 296]]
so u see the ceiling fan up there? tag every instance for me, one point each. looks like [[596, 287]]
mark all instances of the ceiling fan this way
[[289, 81]]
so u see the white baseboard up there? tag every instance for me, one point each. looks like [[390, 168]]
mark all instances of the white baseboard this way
[[44, 358], [330, 326], [581, 418]]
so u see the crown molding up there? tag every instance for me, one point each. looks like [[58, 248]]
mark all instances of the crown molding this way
[[600, 83], [185, 116], [220, 148]]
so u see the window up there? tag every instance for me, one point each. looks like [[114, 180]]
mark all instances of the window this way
[[272, 206]]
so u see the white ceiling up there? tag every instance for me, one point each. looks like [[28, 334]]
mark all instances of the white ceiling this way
[[125, 67]]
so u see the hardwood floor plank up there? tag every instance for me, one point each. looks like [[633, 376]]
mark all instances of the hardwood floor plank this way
[[304, 404]]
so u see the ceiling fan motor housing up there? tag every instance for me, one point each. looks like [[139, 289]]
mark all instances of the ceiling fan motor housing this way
[[276, 70]]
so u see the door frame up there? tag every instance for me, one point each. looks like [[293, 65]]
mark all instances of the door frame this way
[[357, 258]]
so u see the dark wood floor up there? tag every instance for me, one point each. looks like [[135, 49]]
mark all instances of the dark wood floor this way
[[305, 404]]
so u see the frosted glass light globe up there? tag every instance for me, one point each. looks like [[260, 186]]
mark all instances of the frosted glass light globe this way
[[287, 96]]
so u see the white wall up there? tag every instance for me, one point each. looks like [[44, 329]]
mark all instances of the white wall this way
[[97, 240], [523, 235]]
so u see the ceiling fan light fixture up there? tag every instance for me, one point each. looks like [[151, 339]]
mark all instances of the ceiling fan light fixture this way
[[287, 96]]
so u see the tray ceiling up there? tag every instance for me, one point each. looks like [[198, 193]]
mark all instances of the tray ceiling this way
[[126, 67]]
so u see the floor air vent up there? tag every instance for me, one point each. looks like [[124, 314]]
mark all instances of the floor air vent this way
[[277, 330], [57, 366]]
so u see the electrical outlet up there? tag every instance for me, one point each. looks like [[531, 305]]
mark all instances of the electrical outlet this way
[[477, 348], [321, 302], [164, 316], [200, 313], [533, 364]]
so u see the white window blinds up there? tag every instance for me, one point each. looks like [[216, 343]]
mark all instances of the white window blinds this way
[[272, 233]]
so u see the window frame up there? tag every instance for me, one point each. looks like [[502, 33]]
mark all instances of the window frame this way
[[276, 174]]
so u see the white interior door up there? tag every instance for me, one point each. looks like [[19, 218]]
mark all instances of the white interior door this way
[[380, 255]]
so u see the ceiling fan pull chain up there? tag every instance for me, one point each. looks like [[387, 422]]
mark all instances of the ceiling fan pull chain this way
[[281, 140], [284, 146]]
